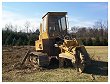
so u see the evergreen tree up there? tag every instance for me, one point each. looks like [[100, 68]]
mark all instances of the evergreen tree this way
[[84, 42], [97, 41], [19, 42], [14, 42], [89, 42], [9, 40], [105, 42]]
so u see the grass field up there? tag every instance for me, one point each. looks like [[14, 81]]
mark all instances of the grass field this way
[[97, 72]]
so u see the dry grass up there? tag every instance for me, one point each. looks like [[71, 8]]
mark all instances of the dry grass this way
[[98, 53]]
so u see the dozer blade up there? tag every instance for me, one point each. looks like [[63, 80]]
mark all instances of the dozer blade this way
[[86, 55], [83, 58]]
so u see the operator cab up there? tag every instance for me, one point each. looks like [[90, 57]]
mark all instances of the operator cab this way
[[56, 25]]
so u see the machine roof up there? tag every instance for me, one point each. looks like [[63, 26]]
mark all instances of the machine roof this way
[[55, 13]]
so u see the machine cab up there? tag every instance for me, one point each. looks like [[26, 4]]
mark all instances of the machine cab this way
[[54, 24], [52, 30]]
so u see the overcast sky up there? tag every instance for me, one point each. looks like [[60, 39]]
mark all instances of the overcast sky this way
[[79, 14]]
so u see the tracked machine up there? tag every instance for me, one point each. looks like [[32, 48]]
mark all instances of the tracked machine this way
[[56, 43]]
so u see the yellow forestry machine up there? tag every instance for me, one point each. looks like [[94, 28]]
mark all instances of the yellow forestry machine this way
[[56, 43]]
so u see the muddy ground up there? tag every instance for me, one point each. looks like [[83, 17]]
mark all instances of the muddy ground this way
[[13, 55]]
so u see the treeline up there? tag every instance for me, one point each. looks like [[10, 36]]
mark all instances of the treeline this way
[[14, 38], [90, 36], [93, 37]]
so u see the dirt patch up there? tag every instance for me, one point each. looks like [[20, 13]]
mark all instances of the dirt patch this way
[[13, 55]]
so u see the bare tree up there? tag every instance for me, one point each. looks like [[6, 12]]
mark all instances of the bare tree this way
[[100, 26], [9, 27], [27, 25], [74, 29]]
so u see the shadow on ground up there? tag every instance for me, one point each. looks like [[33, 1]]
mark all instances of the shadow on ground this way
[[97, 68]]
